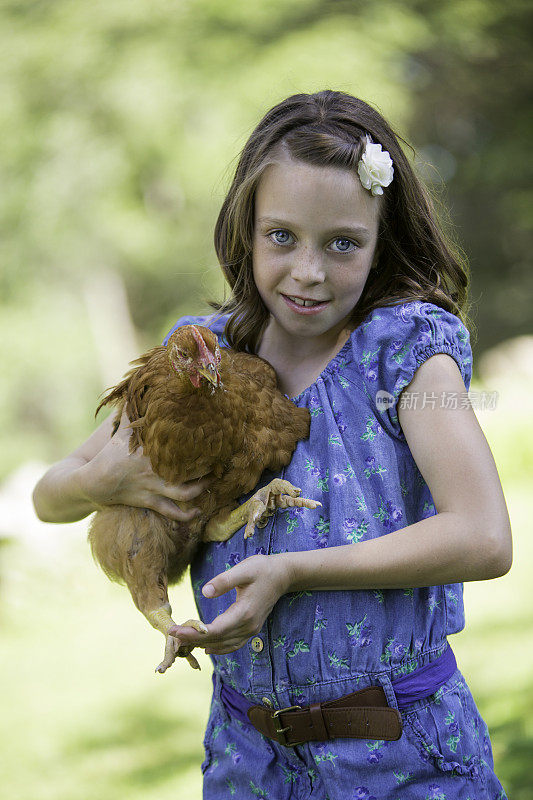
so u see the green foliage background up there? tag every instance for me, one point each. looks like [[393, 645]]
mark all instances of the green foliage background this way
[[121, 122]]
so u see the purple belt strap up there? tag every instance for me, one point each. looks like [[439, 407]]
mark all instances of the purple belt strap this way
[[425, 680], [415, 686]]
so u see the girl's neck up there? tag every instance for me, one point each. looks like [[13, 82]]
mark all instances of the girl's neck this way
[[298, 348], [298, 361]]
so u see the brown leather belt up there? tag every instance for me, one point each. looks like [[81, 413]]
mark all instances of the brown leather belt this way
[[361, 715]]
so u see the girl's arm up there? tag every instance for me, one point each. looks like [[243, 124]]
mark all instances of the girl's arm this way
[[103, 472], [470, 536], [468, 539]]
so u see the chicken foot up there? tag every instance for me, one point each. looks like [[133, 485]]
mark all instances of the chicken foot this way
[[162, 621], [256, 510], [149, 590]]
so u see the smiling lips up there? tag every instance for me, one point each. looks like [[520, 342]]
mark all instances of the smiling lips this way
[[302, 302], [304, 305]]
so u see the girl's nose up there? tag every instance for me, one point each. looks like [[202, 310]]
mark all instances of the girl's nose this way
[[307, 267]]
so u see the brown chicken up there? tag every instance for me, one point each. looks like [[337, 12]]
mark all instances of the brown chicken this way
[[197, 410]]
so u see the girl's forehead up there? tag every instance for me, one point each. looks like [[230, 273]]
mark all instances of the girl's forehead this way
[[290, 169], [296, 189]]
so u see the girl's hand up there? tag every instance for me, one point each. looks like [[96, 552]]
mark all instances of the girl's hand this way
[[260, 581], [116, 476]]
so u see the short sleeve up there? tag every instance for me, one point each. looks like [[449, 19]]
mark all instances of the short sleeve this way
[[403, 337], [214, 322]]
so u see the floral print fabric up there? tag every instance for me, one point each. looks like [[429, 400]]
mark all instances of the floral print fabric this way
[[319, 645]]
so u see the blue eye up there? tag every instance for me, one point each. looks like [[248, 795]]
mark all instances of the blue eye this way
[[283, 233], [282, 237], [345, 242]]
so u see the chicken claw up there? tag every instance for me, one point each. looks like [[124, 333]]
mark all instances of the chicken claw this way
[[174, 648], [255, 511], [277, 494]]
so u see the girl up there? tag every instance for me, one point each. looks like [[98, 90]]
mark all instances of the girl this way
[[333, 676]]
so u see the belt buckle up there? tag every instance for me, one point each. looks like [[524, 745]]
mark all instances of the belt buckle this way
[[280, 732]]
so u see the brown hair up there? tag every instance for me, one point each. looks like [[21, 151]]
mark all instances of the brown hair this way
[[415, 259]]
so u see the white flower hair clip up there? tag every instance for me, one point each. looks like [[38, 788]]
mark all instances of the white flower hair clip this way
[[375, 167]]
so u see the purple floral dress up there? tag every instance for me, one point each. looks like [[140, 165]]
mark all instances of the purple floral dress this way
[[318, 645]]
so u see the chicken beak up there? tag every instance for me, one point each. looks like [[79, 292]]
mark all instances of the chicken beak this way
[[210, 373]]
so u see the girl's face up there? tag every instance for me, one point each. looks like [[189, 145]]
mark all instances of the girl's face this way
[[315, 235]]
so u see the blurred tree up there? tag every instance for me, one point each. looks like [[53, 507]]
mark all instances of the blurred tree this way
[[472, 114], [119, 118], [121, 121], [121, 124]]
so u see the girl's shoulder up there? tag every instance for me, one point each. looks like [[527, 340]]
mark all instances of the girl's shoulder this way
[[416, 328], [393, 341], [214, 322], [403, 314]]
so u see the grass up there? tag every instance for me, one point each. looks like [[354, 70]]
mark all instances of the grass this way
[[495, 653], [85, 706], [87, 716]]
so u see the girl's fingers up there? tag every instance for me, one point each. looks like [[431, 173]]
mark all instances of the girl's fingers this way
[[170, 510], [211, 641], [228, 645], [212, 651], [186, 491], [168, 497], [224, 628]]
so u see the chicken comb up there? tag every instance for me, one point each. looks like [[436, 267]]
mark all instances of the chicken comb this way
[[202, 349]]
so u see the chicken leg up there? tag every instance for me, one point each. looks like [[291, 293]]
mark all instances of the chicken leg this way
[[148, 585], [162, 621], [256, 510]]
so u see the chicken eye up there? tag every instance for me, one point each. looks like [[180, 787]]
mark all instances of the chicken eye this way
[[179, 355]]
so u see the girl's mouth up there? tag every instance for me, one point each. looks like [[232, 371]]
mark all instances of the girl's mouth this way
[[297, 305]]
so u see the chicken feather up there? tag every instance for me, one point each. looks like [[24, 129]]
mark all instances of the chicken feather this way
[[196, 410]]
